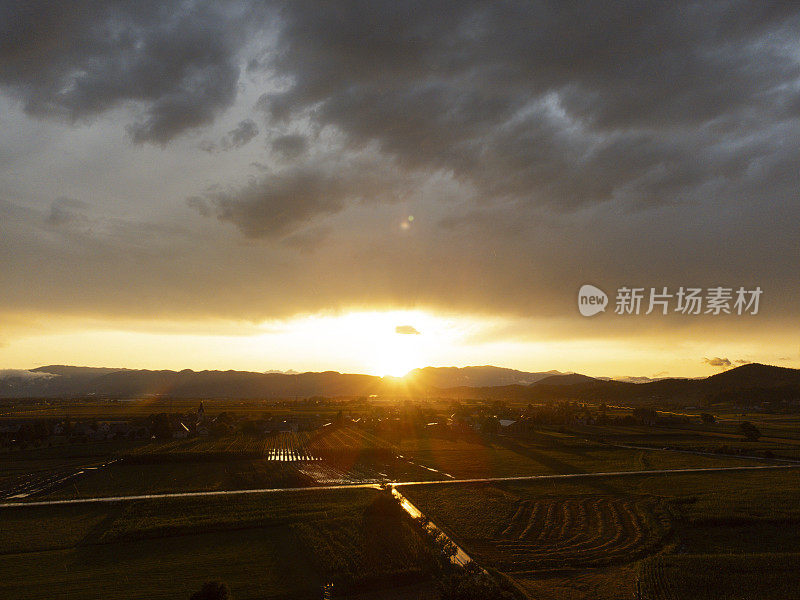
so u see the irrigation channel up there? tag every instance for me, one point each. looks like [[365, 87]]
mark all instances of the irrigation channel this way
[[460, 557]]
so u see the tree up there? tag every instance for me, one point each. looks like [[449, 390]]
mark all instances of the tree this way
[[447, 548], [749, 431], [645, 415], [708, 419], [212, 590], [160, 426]]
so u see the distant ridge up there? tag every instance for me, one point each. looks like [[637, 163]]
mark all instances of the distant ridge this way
[[60, 381], [570, 379], [755, 375], [444, 377]]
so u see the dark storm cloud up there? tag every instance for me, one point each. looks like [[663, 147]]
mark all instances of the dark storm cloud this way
[[280, 203], [239, 136], [561, 104], [274, 204], [236, 138], [74, 60], [290, 146]]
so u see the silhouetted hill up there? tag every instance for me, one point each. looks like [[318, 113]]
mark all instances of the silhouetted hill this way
[[75, 371], [747, 385], [754, 375], [571, 379], [484, 376], [58, 381]]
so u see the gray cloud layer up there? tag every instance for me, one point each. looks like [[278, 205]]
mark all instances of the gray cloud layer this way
[[553, 103], [237, 137], [544, 104], [539, 146], [75, 60]]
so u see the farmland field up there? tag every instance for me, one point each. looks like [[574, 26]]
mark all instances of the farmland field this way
[[577, 531], [189, 476], [279, 545], [533, 532], [473, 457], [721, 439], [574, 539], [337, 456], [327, 443], [771, 576]]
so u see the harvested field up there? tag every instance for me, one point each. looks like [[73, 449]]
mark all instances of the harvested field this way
[[720, 577], [574, 532]]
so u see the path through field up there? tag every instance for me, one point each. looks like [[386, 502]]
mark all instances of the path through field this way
[[395, 483]]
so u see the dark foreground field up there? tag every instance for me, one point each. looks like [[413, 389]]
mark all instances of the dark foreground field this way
[[726, 536], [268, 546], [338, 456], [729, 535]]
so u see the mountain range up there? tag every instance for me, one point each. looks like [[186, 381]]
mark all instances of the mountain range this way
[[484, 382]]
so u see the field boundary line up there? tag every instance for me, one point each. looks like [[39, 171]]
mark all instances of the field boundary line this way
[[522, 478]]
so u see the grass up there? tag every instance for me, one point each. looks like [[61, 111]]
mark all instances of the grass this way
[[476, 511], [605, 583], [263, 546], [572, 539], [32, 460], [515, 531], [176, 466], [256, 563]]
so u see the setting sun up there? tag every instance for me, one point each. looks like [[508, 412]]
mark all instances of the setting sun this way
[[376, 342], [398, 355]]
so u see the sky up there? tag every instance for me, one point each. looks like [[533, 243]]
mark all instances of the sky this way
[[378, 186]]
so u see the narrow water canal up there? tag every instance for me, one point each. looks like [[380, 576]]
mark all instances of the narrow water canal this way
[[460, 557]]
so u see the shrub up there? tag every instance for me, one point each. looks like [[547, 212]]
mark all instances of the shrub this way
[[749, 431], [473, 584], [212, 590]]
